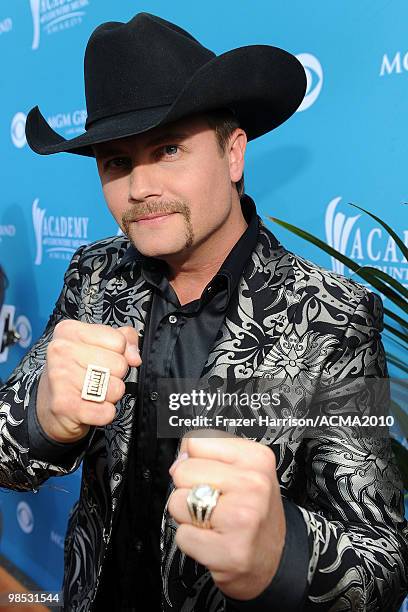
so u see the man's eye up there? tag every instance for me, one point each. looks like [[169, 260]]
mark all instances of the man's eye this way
[[169, 150], [117, 162]]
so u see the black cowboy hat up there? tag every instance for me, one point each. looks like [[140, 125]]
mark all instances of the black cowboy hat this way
[[149, 72]]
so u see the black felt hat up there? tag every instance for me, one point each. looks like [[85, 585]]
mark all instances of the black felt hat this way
[[149, 72]]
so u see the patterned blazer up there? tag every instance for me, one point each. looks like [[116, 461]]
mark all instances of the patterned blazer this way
[[288, 319]]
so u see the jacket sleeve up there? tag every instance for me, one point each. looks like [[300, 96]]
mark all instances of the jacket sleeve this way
[[353, 508], [20, 469]]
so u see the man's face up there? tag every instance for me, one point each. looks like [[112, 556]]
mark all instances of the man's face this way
[[177, 172]]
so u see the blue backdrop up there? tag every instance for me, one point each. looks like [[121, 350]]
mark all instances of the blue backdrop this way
[[347, 143]]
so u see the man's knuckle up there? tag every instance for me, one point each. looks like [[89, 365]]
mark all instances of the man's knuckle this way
[[62, 328], [267, 456], [88, 416], [256, 481], [116, 389], [178, 474], [97, 356], [244, 516], [121, 366], [174, 501], [104, 415], [58, 347], [118, 342]]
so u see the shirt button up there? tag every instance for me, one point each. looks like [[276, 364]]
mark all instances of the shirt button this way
[[154, 396], [138, 546], [172, 319], [146, 474]]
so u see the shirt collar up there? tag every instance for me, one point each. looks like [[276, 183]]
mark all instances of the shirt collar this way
[[230, 271], [235, 261]]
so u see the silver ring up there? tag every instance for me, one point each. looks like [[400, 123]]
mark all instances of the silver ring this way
[[96, 383], [201, 502]]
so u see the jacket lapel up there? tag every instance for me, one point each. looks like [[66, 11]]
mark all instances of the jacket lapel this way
[[126, 301], [257, 313]]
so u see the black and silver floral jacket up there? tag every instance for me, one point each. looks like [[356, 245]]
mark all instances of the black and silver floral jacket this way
[[288, 319]]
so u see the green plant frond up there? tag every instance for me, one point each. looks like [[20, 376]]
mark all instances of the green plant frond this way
[[395, 341], [397, 362], [401, 245], [401, 456], [401, 416], [396, 332], [400, 382], [387, 279], [396, 318]]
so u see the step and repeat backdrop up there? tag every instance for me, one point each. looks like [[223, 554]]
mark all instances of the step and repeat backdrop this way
[[346, 144]]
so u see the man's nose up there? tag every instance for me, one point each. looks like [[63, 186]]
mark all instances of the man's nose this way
[[144, 182]]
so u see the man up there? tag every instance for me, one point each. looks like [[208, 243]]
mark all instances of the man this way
[[203, 290]]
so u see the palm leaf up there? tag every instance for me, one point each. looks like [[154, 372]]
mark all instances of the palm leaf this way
[[395, 317], [397, 362], [395, 331], [387, 279], [401, 416], [400, 382], [401, 456], [395, 341]]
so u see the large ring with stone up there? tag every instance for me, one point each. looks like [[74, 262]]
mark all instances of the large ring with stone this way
[[201, 501], [96, 383]]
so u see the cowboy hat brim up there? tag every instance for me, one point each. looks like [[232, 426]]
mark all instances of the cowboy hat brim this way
[[264, 85]]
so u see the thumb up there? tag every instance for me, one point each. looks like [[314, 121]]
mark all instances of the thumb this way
[[132, 353]]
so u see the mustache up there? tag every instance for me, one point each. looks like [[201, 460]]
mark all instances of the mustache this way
[[150, 208]]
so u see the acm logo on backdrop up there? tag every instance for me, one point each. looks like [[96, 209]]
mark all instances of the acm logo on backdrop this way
[[53, 16], [369, 246], [57, 235]]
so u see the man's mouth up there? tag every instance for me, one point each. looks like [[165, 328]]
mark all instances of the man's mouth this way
[[154, 217]]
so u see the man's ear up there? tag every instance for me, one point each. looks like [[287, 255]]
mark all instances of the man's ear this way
[[236, 149]]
